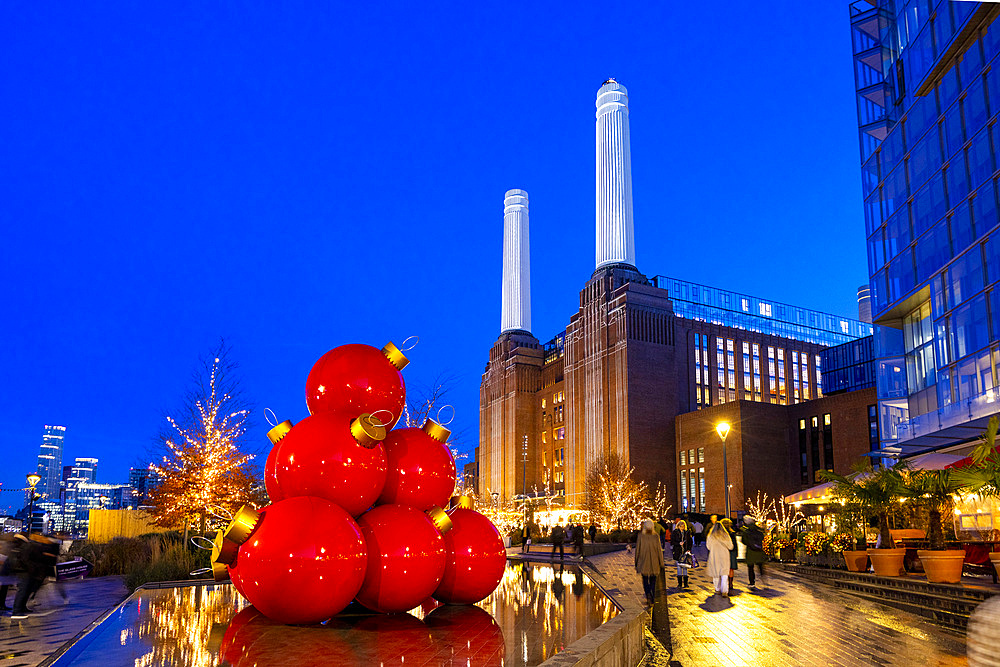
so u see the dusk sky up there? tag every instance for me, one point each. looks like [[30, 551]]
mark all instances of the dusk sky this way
[[293, 177]]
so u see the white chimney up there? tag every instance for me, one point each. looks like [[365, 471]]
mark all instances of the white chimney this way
[[516, 294], [615, 233]]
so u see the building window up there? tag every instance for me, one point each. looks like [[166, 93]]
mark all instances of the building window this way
[[684, 457], [772, 378], [873, 439], [819, 377], [545, 437], [827, 442], [782, 394], [701, 487], [701, 455], [814, 447], [684, 489], [543, 404], [756, 373], [561, 433], [803, 460], [691, 456]]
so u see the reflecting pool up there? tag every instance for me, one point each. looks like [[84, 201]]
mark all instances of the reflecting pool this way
[[536, 611]]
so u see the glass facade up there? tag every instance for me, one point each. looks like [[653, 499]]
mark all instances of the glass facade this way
[[849, 367], [50, 466], [928, 96], [741, 311]]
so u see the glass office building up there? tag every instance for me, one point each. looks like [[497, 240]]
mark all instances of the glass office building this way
[[742, 311], [928, 97]]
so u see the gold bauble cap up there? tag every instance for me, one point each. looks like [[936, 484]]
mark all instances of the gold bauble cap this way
[[219, 571], [464, 502], [367, 432], [435, 430], [223, 550], [440, 518], [278, 432], [395, 357], [242, 525]]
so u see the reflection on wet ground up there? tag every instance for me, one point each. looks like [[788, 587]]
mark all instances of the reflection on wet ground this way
[[535, 612]]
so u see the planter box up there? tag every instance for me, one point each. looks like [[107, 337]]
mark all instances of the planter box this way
[[787, 555], [888, 562], [943, 567], [857, 561]]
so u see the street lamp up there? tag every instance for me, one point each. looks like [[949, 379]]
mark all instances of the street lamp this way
[[33, 480], [722, 428]]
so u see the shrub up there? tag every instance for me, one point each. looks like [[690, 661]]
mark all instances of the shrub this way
[[842, 542], [175, 564], [814, 543]]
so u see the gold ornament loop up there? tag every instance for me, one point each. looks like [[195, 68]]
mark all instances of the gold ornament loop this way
[[272, 419], [203, 543], [463, 502], [367, 432], [407, 346], [379, 422], [279, 431], [395, 357], [242, 525], [435, 430], [442, 408], [440, 519]]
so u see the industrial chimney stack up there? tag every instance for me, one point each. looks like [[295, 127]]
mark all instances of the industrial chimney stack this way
[[615, 233], [516, 292]]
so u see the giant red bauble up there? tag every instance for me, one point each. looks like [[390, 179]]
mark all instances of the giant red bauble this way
[[420, 471], [406, 558], [270, 480], [476, 558], [355, 379], [319, 457], [234, 577], [303, 562]]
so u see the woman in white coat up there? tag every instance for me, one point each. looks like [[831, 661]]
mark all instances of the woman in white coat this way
[[719, 545]]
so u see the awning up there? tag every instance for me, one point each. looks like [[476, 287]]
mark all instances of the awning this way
[[823, 493]]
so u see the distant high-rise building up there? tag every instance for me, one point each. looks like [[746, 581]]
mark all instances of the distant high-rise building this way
[[50, 462], [142, 481], [927, 80], [865, 303]]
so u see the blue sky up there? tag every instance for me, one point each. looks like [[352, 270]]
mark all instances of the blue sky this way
[[300, 176]]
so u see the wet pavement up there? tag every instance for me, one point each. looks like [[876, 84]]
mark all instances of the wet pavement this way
[[32, 640], [790, 621]]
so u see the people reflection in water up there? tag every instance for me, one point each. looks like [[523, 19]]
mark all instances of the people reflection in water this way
[[557, 584], [578, 584]]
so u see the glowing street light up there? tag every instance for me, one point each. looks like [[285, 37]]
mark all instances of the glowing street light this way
[[33, 480], [722, 428]]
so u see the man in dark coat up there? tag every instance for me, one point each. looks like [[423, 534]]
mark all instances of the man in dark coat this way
[[593, 533], [753, 538], [557, 541], [578, 539]]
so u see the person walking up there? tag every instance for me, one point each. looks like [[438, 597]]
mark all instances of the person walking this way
[[719, 545], [680, 539], [753, 538], [558, 536], [699, 530], [648, 559], [526, 538], [593, 533], [578, 540], [32, 571], [727, 523]]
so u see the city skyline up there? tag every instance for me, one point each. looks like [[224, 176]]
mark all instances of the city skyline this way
[[130, 175]]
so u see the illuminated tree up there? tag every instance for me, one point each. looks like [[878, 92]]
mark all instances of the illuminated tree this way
[[203, 467], [614, 498], [761, 509], [424, 403]]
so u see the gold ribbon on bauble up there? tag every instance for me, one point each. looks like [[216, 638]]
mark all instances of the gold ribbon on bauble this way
[[239, 529], [367, 432], [395, 357], [440, 518]]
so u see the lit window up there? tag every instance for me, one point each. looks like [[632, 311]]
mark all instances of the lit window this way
[[561, 433], [826, 419], [691, 456], [745, 303], [701, 455], [545, 437], [815, 422], [543, 404], [802, 424], [684, 457]]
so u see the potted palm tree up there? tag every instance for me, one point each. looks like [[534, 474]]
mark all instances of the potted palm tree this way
[[933, 489], [982, 477], [876, 492]]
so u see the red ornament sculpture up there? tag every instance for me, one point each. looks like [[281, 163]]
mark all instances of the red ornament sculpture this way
[[476, 558], [275, 435], [329, 456], [357, 379], [301, 561], [420, 469], [406, 558], [253, 639]]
